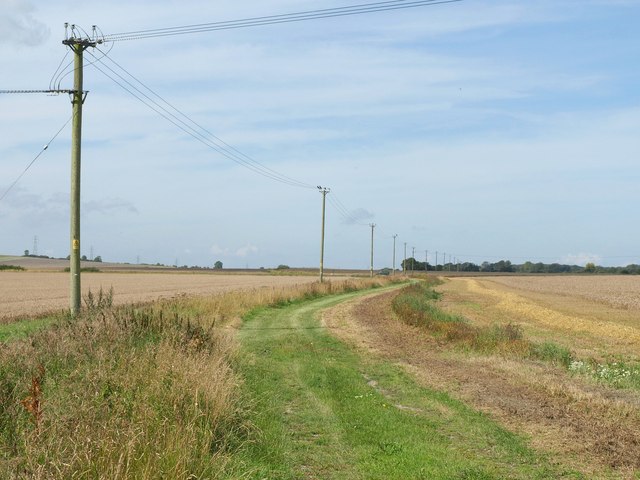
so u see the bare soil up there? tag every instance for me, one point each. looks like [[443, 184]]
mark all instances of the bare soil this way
[[24, 294], [588, 427]]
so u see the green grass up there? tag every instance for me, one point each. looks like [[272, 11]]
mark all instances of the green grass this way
[[320, 410], [21, 329]]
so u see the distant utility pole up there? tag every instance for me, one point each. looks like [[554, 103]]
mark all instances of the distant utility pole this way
[[77, 46], [436, 260], [372, 225], [413, 258], [444, 260], [35, 245], [404, 263], [426, 260], [393, 270], [324, 192]]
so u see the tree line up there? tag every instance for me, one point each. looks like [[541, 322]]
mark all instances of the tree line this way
[[412, 264]]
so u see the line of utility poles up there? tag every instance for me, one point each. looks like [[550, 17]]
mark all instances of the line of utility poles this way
[[323, 191]]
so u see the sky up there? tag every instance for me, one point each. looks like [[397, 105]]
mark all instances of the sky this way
[[488, 130]]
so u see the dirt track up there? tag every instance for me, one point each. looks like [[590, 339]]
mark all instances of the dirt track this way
[[32, 293]]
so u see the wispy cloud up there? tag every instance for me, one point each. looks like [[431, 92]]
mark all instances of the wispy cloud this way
[[108, 206], [357, 216], [246, 250], [218, 250], [18, 26]]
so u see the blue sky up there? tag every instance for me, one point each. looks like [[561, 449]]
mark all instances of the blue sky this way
[[485, 129]]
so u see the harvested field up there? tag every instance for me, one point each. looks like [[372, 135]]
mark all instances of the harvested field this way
[[615, 290], [586, 314], [578, 422], [34, 293]]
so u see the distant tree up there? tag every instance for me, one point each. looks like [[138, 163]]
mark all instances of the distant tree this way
[[218, 265], [26, 253], [590, 267], [83, 257], [282, 267], [98, 259], [469, 267], [487, 267]]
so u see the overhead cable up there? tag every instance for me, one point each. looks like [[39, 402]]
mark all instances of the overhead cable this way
[[185, 123], [44, 148], [275, 19]]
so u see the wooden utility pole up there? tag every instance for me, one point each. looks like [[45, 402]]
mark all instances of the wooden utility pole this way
[[324, 192], [372, 225], [77, 46], [393, 270]]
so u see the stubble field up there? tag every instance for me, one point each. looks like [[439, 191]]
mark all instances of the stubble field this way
[[581, 408], [35, 293]]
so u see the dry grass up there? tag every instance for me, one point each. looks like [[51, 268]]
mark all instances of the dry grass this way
[[143, 391]]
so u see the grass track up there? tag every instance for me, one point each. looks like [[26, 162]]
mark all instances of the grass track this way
[[323, 411]]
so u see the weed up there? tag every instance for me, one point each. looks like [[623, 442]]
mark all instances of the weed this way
[[33, 402], [100, 302]]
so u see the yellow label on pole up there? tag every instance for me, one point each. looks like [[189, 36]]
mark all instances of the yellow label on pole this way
[[76, 244]]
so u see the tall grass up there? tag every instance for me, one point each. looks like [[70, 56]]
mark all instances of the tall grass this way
[[416, 305], [142, 391]]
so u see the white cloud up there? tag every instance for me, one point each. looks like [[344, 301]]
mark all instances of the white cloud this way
[[581, 259], [246, 250], [218, 250]]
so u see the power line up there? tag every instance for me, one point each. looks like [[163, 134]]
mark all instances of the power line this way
[[34, 159], [188, 125], [275, 19], [50, 91], [344, 211]]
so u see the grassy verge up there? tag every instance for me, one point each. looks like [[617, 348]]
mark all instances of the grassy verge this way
[[131, 392], [15, 330], [416, 305], [321, 411], [11, 267]]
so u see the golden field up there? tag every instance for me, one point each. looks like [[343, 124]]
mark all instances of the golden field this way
[[36, 293]]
